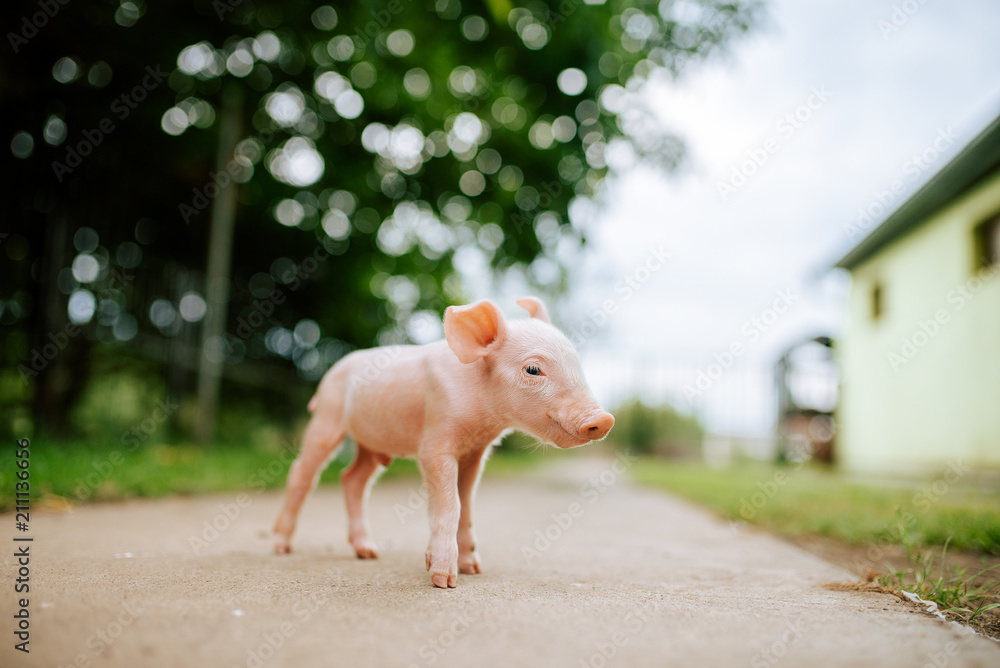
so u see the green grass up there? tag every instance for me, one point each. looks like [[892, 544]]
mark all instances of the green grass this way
[[84, 472], [968, 596], [803, 500]]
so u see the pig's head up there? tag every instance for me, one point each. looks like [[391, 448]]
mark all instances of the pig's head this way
[[532, 370]]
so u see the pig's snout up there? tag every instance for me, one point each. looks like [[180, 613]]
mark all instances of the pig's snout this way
[[597, 426]]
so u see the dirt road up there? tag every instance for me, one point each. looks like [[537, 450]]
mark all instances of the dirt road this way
[[581, 569]]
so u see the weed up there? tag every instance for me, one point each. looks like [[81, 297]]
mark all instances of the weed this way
[[961, 595]]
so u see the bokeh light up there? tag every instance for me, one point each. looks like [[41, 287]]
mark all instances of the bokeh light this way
[[99, 75], [289, 213], [285, 106], [336, 224], [86, 268], [54, 132], [22, 145], [324, 18], [85, 239], [162, 313], [296, 162], [81, 306], [572, 81], [192, 307], [474, 28], [400, 42], [127, 14], [65, 70]]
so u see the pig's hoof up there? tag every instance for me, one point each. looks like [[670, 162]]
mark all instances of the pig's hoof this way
[[442, 562], [444, 580], [469, 564], [365, 549]]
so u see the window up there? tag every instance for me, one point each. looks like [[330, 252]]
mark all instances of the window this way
[[877, 301], [988, 243]]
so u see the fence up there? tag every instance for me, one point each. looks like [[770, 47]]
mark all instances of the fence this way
[[736, 401]]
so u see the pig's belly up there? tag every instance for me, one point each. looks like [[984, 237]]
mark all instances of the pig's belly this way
[[388, 422]]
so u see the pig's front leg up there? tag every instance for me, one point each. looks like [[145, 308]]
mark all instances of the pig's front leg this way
[[441, 475], [468, 479]]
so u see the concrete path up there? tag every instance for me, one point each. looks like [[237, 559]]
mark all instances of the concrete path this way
[[581, 569]]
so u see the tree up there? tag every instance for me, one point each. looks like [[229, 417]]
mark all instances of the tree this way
[[380, 144]]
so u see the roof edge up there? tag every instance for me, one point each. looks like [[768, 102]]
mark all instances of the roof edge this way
[[973, 163]]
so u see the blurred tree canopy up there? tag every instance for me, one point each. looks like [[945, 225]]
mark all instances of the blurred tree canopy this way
[[363, 153]]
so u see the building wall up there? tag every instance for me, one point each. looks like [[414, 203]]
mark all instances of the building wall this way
[[921, 383]]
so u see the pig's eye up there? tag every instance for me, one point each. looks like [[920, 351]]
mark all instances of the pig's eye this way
[[532, 370]]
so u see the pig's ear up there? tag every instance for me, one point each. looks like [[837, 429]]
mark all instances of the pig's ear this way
[[473, 331], [535, 307]]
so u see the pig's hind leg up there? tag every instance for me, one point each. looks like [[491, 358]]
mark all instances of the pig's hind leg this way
[[320, 442], [357, 481], [469, 472]]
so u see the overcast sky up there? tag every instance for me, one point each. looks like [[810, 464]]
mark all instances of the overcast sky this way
[[878, 97]]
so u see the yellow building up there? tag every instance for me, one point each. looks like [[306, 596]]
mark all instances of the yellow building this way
[[921, 355]]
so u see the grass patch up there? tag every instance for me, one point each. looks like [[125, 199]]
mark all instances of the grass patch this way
[[968, 596], [799, 500], [921, 520], [81, 472]]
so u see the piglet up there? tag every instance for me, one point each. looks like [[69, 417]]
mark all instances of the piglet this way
[[444, 404]]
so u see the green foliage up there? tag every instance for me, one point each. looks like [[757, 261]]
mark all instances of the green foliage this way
[[454, 136], [965, 595], [113, 403], [254, 459], [801, 500], [656, 430], [82, 472]]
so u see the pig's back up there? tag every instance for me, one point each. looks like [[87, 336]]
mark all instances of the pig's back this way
[[379, 396]]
